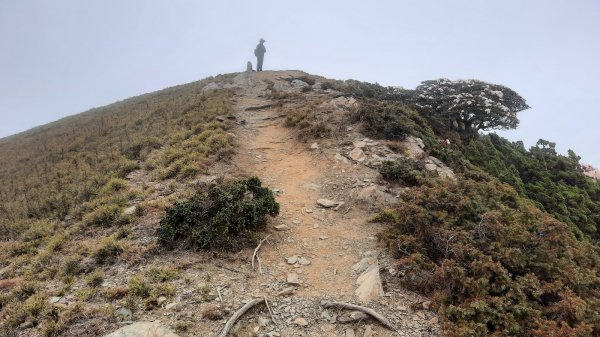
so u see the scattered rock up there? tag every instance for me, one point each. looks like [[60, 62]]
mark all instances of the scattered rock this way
[[357, 154], [349, 332], [282, 227], [26, 325], [426, 305], [323, 237], [314, 146], [308, 210], [301, 321], [434, 320], [374, 196], [341, 158], [286, 291], [129, 210], [299, 84], [293, 279], [359, 143], [326, 203], [207, 179], [143, 329], [171, 306], [343, 102], [161, 300], [364, 264], [292, 259], [262, 321], [211, 86], [369, 284], [303, 261], [352, 316], [296, 222]]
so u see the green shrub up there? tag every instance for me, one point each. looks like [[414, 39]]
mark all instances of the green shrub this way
[[223, 217], [493, 263], [402, 170]]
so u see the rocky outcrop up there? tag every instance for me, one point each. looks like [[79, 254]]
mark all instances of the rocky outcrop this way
[[143, 329], [591, 171]]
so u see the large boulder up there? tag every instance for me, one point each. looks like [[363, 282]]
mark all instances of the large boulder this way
[[143, 329]]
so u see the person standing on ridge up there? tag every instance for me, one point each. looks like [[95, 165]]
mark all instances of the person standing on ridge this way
[[259, 52]]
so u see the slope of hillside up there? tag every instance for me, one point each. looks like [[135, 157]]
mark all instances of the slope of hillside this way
[[382, 202]]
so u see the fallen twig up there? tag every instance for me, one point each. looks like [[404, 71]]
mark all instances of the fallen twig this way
[[270, 312], [231, 322], [258, 107], [366, 310], [219, 293], [229, 268], [256, 252]]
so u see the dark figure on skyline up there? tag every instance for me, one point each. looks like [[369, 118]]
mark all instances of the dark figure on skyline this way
[[260, 54]]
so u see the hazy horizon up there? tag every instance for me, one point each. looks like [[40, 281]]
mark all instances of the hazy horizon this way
[[78, 56]]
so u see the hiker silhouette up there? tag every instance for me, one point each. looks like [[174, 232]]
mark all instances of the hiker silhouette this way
[[259, 52]]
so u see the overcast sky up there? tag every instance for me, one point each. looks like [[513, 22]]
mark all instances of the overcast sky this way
[[62, 57]]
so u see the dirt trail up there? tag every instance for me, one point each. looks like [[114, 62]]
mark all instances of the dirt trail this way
[[333, 241], [323, 236]]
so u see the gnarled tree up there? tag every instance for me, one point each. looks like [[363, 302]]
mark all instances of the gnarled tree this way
[[470, 105]]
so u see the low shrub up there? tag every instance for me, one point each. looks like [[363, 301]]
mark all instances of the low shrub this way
[[108, 251], [404, 171], [223, 217], [494, 264], [104, 215]]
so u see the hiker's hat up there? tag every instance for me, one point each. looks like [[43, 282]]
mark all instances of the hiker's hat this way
[[262, 40]]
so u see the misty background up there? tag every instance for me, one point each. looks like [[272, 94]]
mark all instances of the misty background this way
[[63, 57]]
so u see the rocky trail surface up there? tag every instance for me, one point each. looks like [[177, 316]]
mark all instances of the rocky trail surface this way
[[321, 248]]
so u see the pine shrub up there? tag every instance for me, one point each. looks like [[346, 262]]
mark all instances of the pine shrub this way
[[223, 217]]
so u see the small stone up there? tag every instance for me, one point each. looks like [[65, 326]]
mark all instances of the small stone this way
[[262, 321], [26, 325], [171, 306], [303, 261], [301, 321], [352, 316], [349, 128], [296, 222], [434, 320], [282, 227], [273, 334], [55, 299], [326, 203], [359, 143], [292, 259], [363, 264], [129, 210], [357, 154], [315, 226], [323, 237], [368, 331], [314, 146], [286, 291], [369, 284], [308, 210], [293, 279], [349, 332], [161, 300], [426, 305]]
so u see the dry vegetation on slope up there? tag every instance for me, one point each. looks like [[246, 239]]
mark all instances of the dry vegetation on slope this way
[[66, 202]]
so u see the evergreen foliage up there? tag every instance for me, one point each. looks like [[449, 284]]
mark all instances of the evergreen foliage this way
[[224, 217], [495, 264], [555, 182]]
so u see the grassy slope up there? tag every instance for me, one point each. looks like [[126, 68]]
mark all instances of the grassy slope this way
[[63, 192]]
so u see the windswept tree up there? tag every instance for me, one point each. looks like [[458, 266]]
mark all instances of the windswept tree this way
[[470, 105]]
